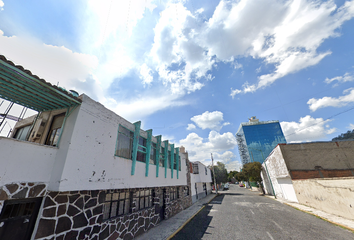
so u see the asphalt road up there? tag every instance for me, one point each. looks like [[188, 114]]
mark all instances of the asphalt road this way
[[241, 214]]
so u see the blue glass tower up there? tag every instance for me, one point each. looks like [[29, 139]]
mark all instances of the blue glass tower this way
[[256, 139]]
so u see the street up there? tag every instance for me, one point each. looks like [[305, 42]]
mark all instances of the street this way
[[242, 214]]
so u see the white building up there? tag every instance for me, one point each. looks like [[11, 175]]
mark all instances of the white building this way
[[78, 170], [200, 181]]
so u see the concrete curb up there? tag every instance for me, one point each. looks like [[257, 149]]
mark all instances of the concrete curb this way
[[186, 222], [325, 219], [316, 215]]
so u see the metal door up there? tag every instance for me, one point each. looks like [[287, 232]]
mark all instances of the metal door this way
[[18, 217]]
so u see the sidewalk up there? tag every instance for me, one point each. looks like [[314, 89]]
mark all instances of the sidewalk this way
[[167, 228], [344, 222]]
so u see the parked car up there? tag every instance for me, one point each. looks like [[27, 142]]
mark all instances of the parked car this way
[[241, 185], [226, 186]]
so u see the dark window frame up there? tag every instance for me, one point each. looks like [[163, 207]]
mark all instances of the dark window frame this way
[[53, 134], [142, 149], [143, 199], [118, 202], [153, 152], [124, 132]]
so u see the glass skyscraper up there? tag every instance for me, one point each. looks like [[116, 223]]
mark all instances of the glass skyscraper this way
[[257, 139]]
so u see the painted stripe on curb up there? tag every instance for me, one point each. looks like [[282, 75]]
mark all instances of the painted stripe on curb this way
[[184, 224]]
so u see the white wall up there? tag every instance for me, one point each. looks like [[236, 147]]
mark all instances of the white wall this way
[[90, 162], [22, 161], [279, 176]]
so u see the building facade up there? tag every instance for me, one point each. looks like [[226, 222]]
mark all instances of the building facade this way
[[200, 180], [317, 174], [77, 170], [255, 139]]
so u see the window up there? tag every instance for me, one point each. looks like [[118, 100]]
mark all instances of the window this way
[[173, 194], [153, 153], [206, 171], [55, 129], [14, 210], [179, 163], [116, 204], [141, 154], [144, 199], [21, 133], [169, 159], [195, 168], [162, 157], [175, 162], [186, 191], [179, 189], [124, 143]]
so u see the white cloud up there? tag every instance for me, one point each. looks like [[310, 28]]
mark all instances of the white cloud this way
[[288, 35], [220, 145], [307, 129], [191, 127], [341, 101], [211, 120], [54, 64], [146, 74], [235, 92], [347, 77], [351, 126], [1, 5]]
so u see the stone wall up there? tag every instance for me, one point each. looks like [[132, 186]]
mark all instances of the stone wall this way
[[21, 190]]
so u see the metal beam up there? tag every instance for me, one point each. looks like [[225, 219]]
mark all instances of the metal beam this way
[[172, 158], [148, 150], [158, 148]]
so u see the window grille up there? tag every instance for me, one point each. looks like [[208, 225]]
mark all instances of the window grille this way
[[141, 154], [173, 194], [153, 153], [116, 204], [125, 143], [162, 157], [195, 168], [143, 199]]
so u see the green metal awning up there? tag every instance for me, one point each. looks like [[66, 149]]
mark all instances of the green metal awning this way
[[20, 86]]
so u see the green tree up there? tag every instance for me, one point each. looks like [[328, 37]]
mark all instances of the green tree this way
[[220, 173], [252, 171], [348, 135]]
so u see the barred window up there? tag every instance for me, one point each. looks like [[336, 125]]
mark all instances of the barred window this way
[[173, 194], [162, 157], [116, 204], [195, 168], [124, 143], [141, 154], [144, 199], [153, 153]]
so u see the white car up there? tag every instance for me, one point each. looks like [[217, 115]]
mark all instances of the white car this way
[[226, 186]]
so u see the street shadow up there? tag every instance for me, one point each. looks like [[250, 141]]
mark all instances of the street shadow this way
[[217, 200], [233, 194], [197, 227]]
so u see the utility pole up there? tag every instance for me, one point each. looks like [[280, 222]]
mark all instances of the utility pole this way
[[212, 164]]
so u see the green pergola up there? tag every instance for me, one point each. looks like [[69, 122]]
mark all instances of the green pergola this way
[[20, 86]]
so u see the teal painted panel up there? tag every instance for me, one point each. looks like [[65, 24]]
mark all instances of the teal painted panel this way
[[135, 145], [177, 159], [172, 158], [166, 156], [158, 147], [148, 150]]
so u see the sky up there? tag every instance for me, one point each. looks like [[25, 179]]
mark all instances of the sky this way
[[194, 70]]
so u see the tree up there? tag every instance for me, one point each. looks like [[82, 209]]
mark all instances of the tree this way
[[253, 171], [220, 173], [343, 136]]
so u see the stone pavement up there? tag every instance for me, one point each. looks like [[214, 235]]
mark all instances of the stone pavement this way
[[344, 222], [169, 227]]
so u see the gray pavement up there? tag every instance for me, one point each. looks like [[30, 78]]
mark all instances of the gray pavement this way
[[243, 214], [168, 227]]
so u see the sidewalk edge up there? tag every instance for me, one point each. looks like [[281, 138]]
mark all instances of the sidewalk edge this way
[[189, 219], [324, 219]]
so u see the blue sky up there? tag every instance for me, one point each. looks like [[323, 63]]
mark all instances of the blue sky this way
[[194, 70]]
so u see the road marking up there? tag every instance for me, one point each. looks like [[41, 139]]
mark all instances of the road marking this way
[[270, 236], [251, 211], [277, 225]]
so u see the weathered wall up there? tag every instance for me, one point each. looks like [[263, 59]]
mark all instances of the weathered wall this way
[[279, 176], [90, 162], [324, 155], [22, 161], [198, 180], [334, 195]]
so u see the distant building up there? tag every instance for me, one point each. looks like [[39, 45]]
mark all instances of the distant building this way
[[257, 139], [200, 180], [317, 174]]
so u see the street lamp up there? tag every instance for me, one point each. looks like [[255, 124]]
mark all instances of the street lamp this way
[[265, 164]]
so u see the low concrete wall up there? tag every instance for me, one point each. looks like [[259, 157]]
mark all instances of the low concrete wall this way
[[332, 195]]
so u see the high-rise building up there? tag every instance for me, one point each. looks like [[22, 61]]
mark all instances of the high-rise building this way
[[257, 139]]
